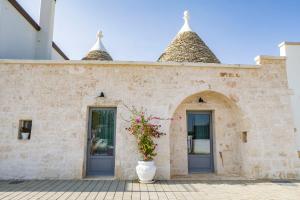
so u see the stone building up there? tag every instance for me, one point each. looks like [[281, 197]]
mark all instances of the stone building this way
[[67, 119]]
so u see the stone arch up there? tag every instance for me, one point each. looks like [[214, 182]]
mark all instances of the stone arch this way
[[228, 126]]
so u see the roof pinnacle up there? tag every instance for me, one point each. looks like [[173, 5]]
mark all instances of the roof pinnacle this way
[[98, 51], [99, 35], [187, 46], [186, 16], [186, 26], [98, 45]]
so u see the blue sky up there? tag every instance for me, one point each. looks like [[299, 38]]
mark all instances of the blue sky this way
[[236, 30]]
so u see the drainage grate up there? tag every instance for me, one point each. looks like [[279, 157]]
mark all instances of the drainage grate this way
[[15, 182]]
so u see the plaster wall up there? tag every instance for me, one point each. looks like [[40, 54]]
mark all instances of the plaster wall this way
[[18, 38], [55, 55], [292, 51], [45, 35], [56, 95]]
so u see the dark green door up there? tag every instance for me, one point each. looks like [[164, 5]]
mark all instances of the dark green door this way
[[101, 141], [200, 151]]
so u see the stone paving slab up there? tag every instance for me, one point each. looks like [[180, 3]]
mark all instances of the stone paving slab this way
[[168, 190]]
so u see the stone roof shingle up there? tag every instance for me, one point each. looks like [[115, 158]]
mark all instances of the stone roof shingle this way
[[188, 47], [97, 55], [98, 51]]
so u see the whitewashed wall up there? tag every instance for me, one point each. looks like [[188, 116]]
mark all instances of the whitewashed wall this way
[[56, 56], [17, 35], [292, 51]]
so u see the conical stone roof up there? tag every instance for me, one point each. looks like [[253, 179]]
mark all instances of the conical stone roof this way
[[97, 55], [98, 51], [187, 46]]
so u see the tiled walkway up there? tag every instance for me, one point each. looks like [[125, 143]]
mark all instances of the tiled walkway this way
[[113, 189]]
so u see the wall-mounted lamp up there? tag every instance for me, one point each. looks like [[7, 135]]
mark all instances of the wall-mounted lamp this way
[[201, 100], [101, 95]]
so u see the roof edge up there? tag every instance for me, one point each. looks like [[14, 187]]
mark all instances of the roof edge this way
[[25, 14], [269, 57], [59, 51], [288, 43], [126, 63], [260, 58]]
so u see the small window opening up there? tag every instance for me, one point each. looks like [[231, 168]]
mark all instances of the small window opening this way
[[244, 136], [24, 129]]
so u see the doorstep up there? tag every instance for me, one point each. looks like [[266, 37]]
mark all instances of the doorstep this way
[[210, 177], [104, 178]]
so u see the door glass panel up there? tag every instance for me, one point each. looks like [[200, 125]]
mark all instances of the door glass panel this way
[[102, 132], [198, 133]]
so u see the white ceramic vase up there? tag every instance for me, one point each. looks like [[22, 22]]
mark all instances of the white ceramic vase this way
[[25, 136], [146, 171]]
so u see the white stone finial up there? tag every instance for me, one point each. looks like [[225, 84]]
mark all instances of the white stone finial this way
[[98, 46], [99, 35], [186, 16], [186, 26]]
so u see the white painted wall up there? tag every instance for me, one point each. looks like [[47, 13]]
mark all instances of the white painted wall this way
[[18, 37], [292, 51], [55, 55], [45, 35]]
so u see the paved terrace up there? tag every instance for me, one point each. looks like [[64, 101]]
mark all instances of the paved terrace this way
[[114, 189]]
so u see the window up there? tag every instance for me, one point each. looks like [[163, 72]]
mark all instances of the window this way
[[199, 133], [102, 132], [24, 129]]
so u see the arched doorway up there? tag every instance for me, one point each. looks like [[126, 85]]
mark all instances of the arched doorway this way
[[226, 129]]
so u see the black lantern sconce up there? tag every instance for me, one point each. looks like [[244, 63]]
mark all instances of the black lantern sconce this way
[[201, 100], [101, 95]]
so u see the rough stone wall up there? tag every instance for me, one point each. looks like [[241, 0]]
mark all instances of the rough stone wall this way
[[57, 95], [270, 151]]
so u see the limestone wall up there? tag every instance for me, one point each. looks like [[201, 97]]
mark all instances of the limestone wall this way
[[57, 96]]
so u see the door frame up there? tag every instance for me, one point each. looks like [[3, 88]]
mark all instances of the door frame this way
[[211, 135], [90, 109]]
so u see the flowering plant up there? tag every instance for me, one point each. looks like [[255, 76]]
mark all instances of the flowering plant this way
[[145, 129]]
